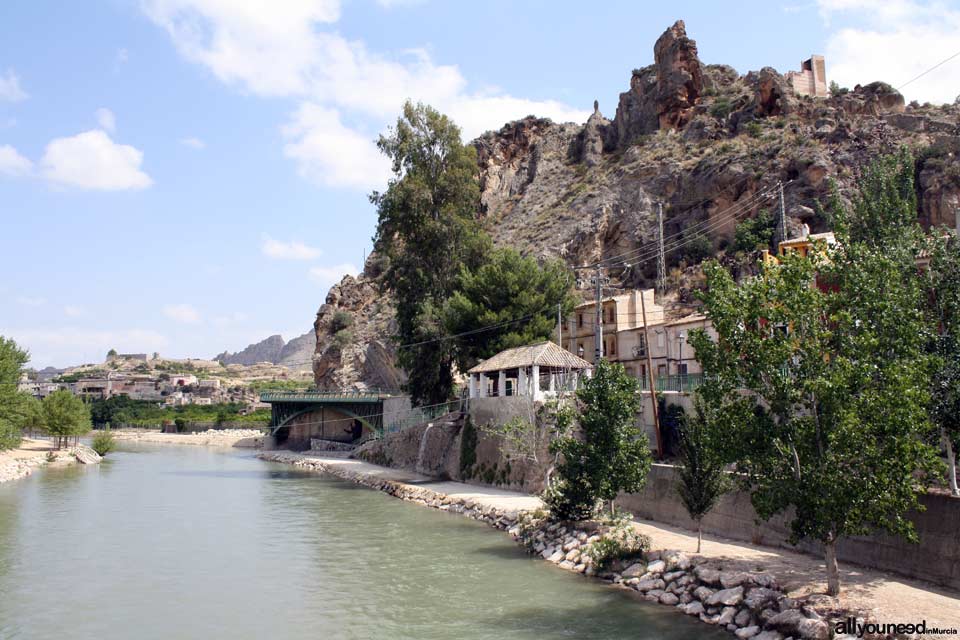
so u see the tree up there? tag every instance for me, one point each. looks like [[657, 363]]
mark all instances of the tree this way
[[65, 416], [13, 403], [754, 233], [834, 424], [701, 474], [111, 354], [944, 307], [428, 230], [502, 290], [609, 455]]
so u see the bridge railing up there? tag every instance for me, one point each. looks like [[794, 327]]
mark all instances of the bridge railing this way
[[413, 417], [307, 396]]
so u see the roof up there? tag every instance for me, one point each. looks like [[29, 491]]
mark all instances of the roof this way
[[544, 354]]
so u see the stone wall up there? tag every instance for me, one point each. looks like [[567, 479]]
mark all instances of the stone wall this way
[[936, 558]]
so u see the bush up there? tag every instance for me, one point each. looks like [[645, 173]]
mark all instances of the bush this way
[[343, 338], [10, 436], [754, 129], [341, 320], [620, 542], [103, 443], [721, 108], [697, 249]]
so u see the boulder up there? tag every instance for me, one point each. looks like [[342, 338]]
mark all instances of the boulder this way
[[707, 575], [794, 623], [759, 597], [747, 632], [86, 455], [635, 570], [656, 567], [652, 583], [727, 615], [743, 618], [669, 598], [768, 635], [730, 579], [728, 597], [702, 593], [693, 608]]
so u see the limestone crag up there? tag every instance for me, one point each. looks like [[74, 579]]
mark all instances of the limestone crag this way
[[708, 143]]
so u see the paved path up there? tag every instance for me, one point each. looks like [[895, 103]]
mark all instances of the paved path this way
[[890, 598]]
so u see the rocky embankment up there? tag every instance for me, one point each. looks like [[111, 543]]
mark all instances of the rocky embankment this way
[[749, 604], [240, 438], [20, 463]]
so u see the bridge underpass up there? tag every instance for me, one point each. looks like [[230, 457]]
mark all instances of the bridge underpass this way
[[296, 417]]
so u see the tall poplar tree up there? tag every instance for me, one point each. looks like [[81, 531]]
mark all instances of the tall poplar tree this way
[[428, 229], [832, 353]]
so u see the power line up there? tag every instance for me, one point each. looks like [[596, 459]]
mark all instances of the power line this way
[[939, 64]]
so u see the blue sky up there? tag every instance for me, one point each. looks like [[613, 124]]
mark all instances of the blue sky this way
[[188, 176]]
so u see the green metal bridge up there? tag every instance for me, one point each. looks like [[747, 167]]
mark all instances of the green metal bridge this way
[[365, 406]]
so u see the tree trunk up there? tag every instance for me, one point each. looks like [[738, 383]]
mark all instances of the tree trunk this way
[[833, 572], [699, 534], [951, 464]]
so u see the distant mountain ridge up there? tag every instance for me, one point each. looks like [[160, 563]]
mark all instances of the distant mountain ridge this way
[[296, 354]]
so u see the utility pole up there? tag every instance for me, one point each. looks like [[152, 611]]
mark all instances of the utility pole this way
[[559, 327], [661, 255], [783, 214], [653, 389], [598, 332]]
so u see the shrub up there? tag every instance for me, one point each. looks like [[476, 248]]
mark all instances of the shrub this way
[[620, 542], [696, 249], [103, 443], [754, 233], [721, 108], [754, 129], [343, 338], [836, 90], [341, 320]]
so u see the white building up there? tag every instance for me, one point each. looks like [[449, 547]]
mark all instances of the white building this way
[[536, 371]]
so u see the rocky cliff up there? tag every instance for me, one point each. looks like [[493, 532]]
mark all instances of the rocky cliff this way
[[296, 354], [707, 143]]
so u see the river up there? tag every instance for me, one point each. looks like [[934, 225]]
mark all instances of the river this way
[[188, 542]]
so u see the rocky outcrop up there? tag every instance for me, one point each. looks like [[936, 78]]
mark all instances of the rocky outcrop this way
[[679, 77], [703, 140], [298, 353], [267, 350]]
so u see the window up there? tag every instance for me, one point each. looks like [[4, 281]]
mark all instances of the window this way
[[661, 370], [641, 349], [579, 319], [611, 348], [661, 339], [611, 314], [682, 368], [643, 371]]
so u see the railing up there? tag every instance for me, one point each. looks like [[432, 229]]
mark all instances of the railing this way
[[413, 417], [680, 383], [307, 396]]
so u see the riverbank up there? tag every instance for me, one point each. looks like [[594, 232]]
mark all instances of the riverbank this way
[[33, 453], [240, 438], [873, 595]]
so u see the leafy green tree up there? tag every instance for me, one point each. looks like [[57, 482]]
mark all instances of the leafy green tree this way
[[609, 455], [65, 416], [103, 442], [835, 424], [701, 472], [13, 404], [111, 354], [754, 233], [506, 288], [428, 230], [944, 298]]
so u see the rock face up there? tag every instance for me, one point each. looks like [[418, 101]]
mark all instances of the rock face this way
[[679, 77], [267, 350], [708, 143], [298, 353]]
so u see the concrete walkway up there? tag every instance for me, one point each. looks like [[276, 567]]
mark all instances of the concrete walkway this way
[[889, 598]]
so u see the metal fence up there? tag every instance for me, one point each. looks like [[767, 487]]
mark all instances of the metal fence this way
[[681, 383]]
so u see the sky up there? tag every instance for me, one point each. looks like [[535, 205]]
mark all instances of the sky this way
[[190, 176]]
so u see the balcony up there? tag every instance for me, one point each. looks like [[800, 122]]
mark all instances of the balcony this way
[[680, 383]]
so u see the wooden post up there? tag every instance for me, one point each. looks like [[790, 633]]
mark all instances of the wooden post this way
[[653, 389]]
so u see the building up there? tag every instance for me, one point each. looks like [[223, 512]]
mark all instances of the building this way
[[811, 80], [619, 313], [536, 371]]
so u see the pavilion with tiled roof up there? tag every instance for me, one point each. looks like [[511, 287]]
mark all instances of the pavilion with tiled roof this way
[[537, 370]]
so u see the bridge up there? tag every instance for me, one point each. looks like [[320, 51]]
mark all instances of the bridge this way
[[296, 417]]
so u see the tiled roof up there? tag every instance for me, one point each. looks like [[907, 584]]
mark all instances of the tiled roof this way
[[544, 354]]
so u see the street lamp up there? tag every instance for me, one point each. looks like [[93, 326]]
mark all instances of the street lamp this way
[[680, 337]]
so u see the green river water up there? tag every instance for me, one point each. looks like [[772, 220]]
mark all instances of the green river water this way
[[185, 542]]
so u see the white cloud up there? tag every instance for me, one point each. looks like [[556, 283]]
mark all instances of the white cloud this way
[[106, 119], [293, 250], [122, 56], [73, 311], [193, 143], [280, 49], [12, 163], [894, 42], [91, 160], [327, 276], [70, 345], [10, 90], [329, 153], [183, 313], [28, 301]]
